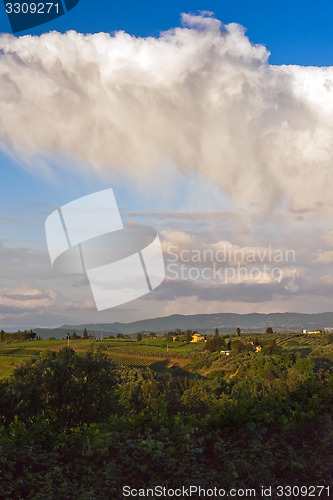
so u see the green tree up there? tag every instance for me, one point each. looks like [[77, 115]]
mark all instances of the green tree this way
[[270, 347], [238, 332], [215, 344], [237, 345], [305, 366], [69, 390], [269, 330], [139, 337], [188, 336], [85, 334]]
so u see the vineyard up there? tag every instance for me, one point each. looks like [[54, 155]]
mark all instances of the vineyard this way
[[13, 356], [19, 351], [158, 355], [139, 362]]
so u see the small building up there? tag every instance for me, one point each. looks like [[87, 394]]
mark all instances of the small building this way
[[304, 330], [255, 348], [225, 352], [197, 337], [315, 331]]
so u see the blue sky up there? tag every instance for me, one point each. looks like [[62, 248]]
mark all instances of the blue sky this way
[[295, 33]]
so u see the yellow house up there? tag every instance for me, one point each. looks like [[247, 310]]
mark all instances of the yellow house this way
[[197, 337], [256, 348]]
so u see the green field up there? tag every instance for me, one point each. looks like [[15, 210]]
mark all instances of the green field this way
[[159, 355], [16, 353]]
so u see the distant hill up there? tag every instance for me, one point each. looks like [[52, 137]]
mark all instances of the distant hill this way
[[205, 323]]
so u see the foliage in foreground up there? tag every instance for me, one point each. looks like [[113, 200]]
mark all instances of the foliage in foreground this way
[[76, 426]]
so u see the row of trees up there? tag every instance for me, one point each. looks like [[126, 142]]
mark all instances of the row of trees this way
[[187, 335], [17, 336]]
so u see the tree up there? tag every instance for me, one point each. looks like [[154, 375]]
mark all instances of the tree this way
[[139, 337], [85, 334], [269, 330], [305, 366], [237, 345], [31, 335], [238, 332], [188, 335], [120, 336], [270, 347], [215, 344], [68, 389], [216, 332]]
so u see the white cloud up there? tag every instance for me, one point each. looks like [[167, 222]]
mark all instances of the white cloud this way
[[25, 297], [324, 257], [201, 96]]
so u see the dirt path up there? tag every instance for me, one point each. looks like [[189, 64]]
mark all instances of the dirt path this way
[[234, 373]]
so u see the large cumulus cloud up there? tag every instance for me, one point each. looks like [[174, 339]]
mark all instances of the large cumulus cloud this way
[[201, 96]]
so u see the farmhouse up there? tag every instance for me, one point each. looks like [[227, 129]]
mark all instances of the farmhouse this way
[[315, 331], [197, 337], [256, 348]]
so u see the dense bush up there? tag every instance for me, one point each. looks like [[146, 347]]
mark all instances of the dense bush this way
[[67, 389], [79, 427]]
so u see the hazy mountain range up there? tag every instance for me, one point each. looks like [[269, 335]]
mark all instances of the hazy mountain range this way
[[205, 323]]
